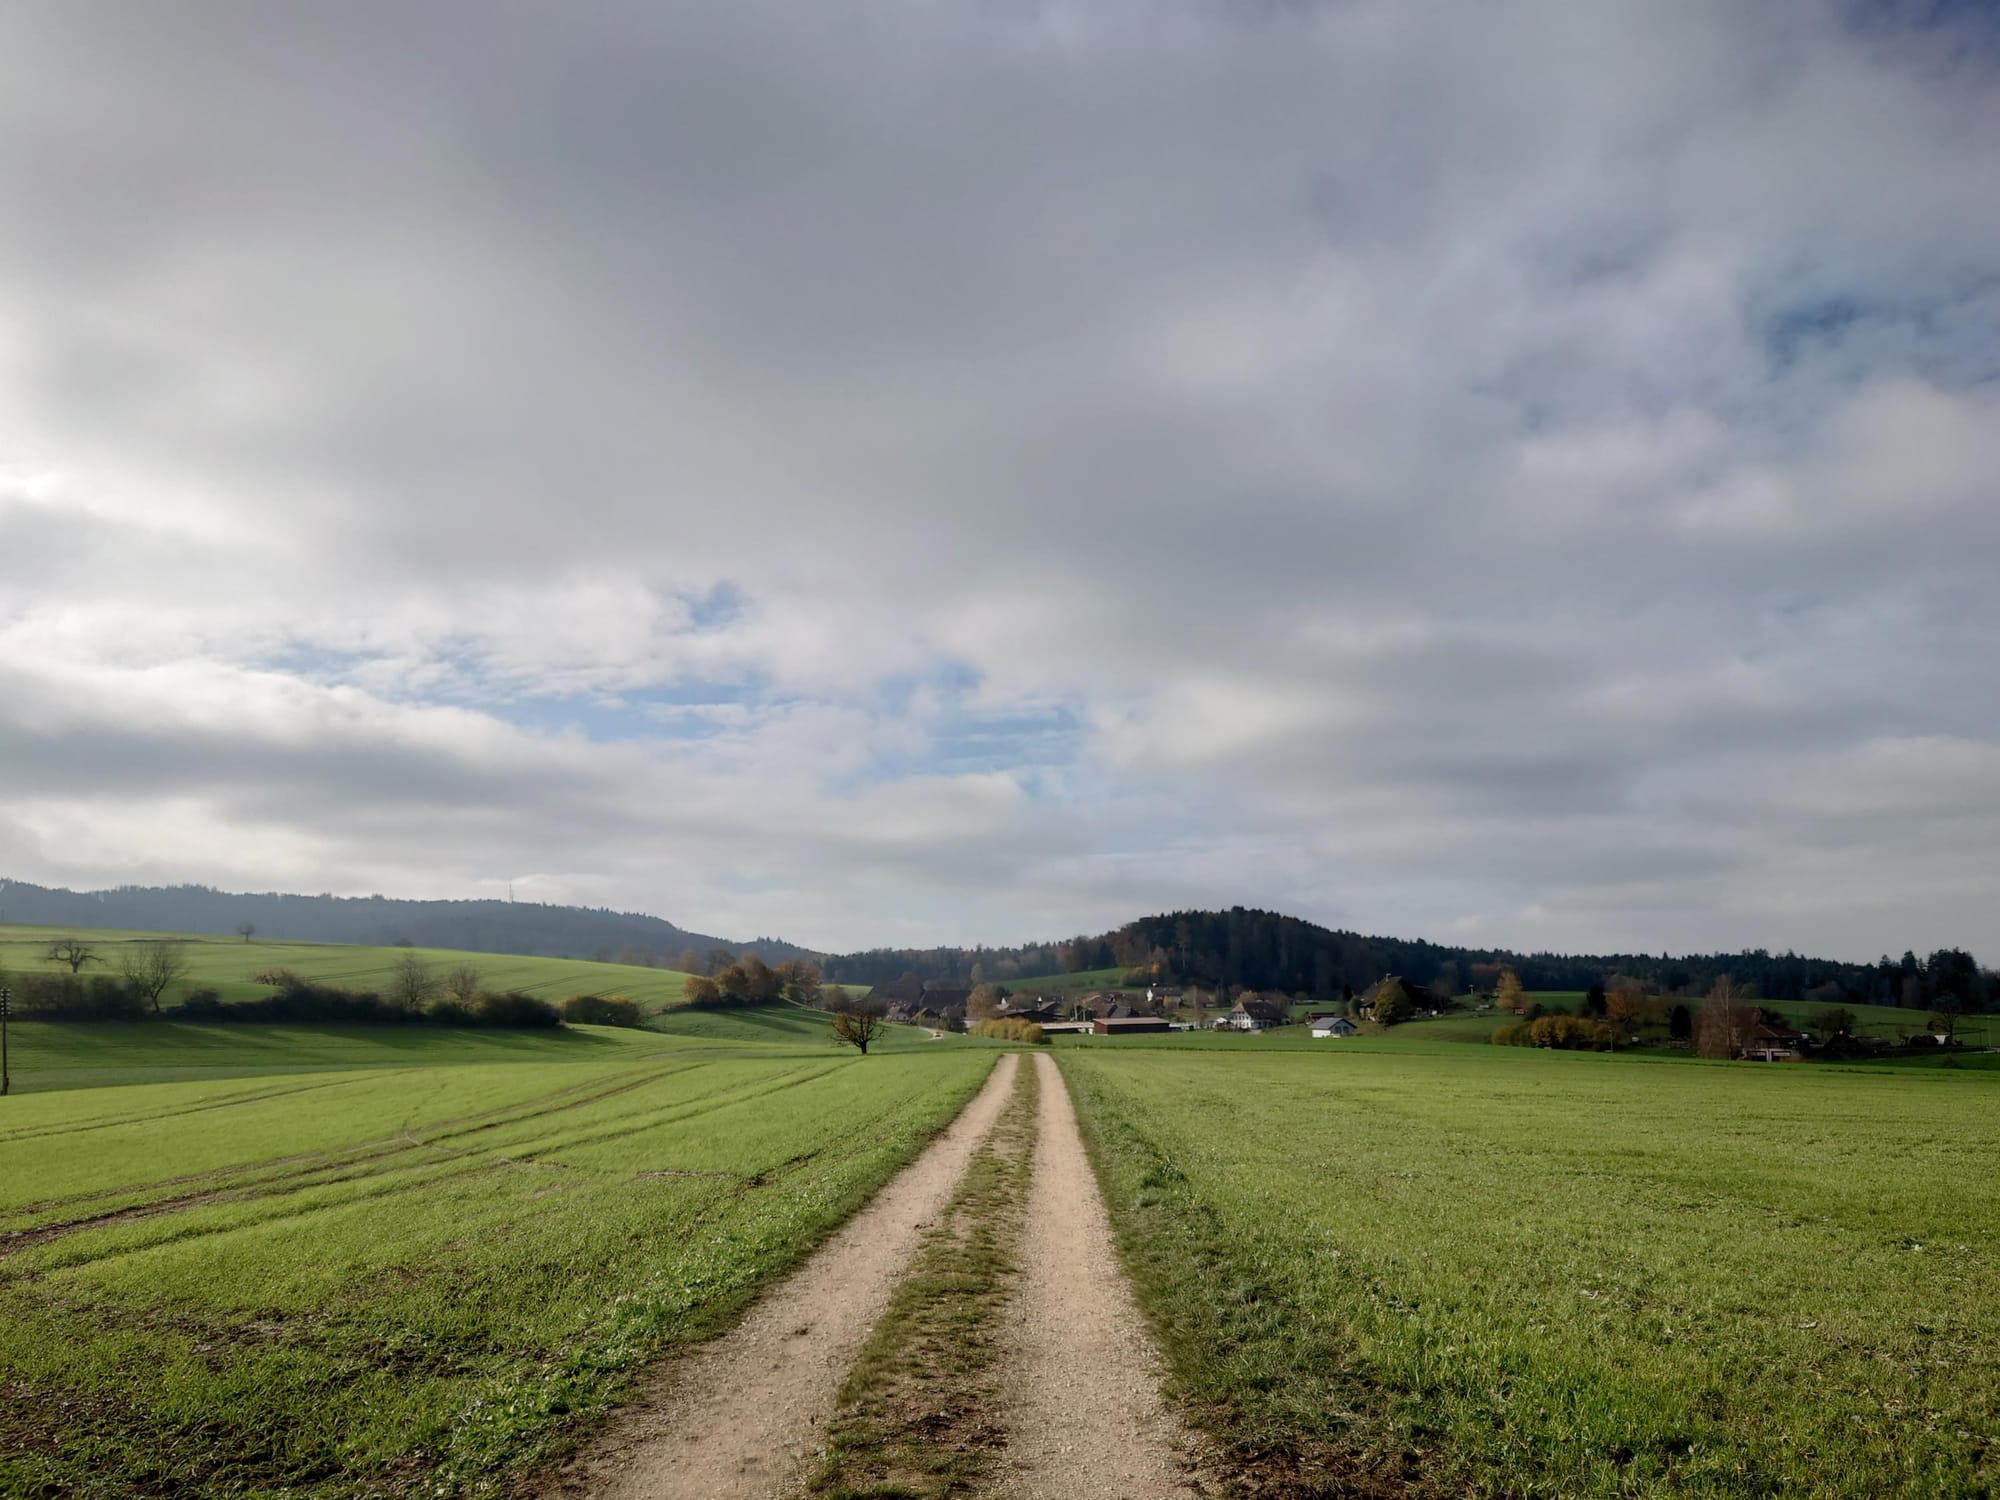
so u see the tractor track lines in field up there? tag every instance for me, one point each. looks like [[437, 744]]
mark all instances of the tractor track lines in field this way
[[298, 1170], [153, 1116], [393, 1165]]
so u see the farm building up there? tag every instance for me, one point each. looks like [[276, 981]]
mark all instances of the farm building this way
[[1031, 1008], [1334, 1026], [1064, 1028], [1129, 1025], [1770, 1043], [1257, 1015]]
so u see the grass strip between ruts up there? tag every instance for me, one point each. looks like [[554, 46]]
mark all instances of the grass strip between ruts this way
[[916, 1419]]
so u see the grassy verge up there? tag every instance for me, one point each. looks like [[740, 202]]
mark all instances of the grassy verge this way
[[1504, 1273], [916, 1419], [1289, 1414]]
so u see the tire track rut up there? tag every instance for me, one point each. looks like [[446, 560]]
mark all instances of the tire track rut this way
[[739, 1417]]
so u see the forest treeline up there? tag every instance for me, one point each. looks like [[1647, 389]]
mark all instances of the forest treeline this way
[[1263, 950], [1240, 947]]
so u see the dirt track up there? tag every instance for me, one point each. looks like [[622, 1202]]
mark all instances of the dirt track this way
[[738, 1418], [741, 1418], [1084, 1416]]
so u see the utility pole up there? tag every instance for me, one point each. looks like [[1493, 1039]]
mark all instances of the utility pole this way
[[6, 1004]]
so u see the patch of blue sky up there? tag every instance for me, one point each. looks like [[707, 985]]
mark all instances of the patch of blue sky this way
[[317, 663], [1023, 744], [692, 710], [1951, 335], [721, 607], [1972, 22]]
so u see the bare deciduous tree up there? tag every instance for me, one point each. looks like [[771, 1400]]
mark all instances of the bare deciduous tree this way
[[72, 951], [1723, 1027], [413, 984], [462, 984], [858, 1023], [246, 930], [150, 967]]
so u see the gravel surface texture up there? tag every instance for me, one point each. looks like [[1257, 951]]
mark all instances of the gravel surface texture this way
[[739, 1418]]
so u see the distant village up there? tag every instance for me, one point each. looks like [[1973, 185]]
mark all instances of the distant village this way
[[1126, 1012], [1721, 1026]]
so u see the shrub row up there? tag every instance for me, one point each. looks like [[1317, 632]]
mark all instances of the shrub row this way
[[1007, 1031], [602, 1010], [67, 997], [302, 1000], [1566, 1033]]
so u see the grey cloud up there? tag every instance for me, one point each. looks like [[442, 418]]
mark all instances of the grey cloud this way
[[1443, 465]]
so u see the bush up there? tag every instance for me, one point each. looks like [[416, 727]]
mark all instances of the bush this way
[[602, 1010], [281, 977], [1008, 1031], [1571, 1034], [512, 1008], [202, 1005], [1514, 1034]]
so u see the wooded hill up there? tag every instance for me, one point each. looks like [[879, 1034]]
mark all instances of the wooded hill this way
[[524, 927]]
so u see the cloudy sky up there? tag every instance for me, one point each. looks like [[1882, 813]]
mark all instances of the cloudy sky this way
[[915, 471]]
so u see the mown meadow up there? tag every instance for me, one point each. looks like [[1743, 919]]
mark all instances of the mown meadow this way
[[1495, 1272], [428, 1277]]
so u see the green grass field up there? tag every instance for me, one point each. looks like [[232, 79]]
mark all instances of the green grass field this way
[[1083, 979], [413, 1279], [60, 1055], [227, 964], [1448, 1270]]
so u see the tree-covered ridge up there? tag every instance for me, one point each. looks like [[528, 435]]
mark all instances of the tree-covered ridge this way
[[528, 928], [1268, 951]]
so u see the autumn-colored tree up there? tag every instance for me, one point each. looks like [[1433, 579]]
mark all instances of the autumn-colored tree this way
[[1630, 1008], [798, 981], [1392, 1003], [699, 989], [984, 1002], [1508, 994]]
